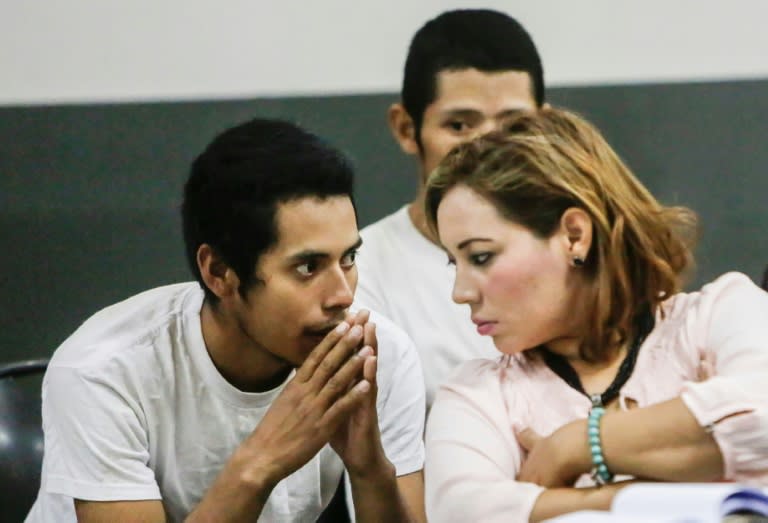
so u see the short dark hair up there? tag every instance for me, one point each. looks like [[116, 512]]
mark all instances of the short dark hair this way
[[235, 186], [483, 39]]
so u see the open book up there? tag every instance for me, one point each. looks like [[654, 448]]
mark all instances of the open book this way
[[680, 503]]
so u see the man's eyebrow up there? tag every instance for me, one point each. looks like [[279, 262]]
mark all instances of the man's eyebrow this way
[[312, 255], [356, 245], [307, 255], [467, 112], [461, 112], [468, 241]]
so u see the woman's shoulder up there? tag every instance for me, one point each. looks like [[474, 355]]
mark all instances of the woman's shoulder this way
[[729, 287], [490, 380], [481, 370], [730, 282]]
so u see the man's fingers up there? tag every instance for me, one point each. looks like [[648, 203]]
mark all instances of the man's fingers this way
[[369, 369], [361, 317], [319, 353], [338, 355], [345, 405], [346, 377], [369, 336]]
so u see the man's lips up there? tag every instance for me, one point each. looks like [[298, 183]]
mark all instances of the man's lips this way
[[320, 331]]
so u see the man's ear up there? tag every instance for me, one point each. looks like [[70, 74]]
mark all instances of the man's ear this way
[[576, 231], [403, 128], [217, 275]]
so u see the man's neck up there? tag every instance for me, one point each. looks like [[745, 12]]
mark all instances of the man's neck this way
[[419, 219], [247, 367]]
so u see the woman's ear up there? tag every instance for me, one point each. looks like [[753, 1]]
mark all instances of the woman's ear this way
[[216, 274], [576, 229], [403, 128]]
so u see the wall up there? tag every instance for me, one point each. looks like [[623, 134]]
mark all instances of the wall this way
[[106, 105], [108, 50]]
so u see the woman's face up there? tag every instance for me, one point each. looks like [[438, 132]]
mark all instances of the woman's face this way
[[520, 288]]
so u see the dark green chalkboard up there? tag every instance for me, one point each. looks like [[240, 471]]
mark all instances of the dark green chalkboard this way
[[89, 194]]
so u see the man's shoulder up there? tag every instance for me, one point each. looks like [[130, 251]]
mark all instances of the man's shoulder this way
[[136, 321], [396, 348], [388, 330]]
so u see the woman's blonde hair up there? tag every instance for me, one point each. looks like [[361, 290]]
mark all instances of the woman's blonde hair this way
[[545, 162]]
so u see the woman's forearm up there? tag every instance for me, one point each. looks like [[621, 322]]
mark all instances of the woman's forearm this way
[[661, 442], [558, 501]]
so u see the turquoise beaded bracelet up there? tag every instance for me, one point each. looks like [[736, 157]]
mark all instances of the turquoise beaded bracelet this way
[[600, 472]]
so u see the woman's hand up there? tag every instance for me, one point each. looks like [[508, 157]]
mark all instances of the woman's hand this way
[[558, 459]]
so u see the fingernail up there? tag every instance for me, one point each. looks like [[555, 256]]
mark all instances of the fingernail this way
[[363, 386], [356, 331], [342, 327], [365, 351]]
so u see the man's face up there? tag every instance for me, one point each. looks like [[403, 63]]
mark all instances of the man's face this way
[[309, 278], [469, 103]]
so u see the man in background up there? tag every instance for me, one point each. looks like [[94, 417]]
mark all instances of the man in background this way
[[466, 72]]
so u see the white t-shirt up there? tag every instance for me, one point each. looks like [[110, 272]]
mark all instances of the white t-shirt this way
[[134, 408], [407, 278]]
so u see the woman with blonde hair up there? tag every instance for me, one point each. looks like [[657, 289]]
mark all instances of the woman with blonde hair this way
[[607, 371]]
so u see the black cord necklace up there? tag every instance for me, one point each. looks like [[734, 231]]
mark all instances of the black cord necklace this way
[[561, 367]]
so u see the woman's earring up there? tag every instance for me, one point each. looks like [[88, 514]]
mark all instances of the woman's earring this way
[[578, 261]]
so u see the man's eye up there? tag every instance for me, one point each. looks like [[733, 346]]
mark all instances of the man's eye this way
[[349, 259], [480, 258], [306, 269], [458, 126]]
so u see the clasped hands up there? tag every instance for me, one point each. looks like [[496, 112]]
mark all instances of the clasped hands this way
[[331, 399]]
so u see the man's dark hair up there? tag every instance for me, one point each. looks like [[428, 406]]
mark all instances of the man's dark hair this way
[[235, 186], [482, 39]]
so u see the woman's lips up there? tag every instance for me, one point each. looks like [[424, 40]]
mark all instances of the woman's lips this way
[[485, 328]]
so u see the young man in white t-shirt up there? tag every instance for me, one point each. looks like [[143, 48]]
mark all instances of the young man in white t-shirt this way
[[466, 71], [244, 395]]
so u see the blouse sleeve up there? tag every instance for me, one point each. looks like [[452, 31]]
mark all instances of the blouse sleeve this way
[[730, 325], [472, 454]]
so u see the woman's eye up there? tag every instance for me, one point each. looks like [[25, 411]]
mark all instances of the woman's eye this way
[[349, 259], [480, 259]]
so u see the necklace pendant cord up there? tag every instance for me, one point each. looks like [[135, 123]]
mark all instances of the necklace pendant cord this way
[[560, 366]]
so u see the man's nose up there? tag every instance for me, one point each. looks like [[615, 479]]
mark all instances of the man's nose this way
[[341, 291], [487, 126]]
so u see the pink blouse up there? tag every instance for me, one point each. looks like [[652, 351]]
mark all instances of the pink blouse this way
[[711, 348]]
